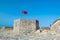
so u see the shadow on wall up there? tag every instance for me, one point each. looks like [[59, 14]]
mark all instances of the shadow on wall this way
[[37, 25]]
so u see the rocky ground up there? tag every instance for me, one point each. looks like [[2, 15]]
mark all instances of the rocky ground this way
[[5, 36], [36, 36]]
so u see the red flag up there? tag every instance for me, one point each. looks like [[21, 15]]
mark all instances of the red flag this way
[[24, 12]]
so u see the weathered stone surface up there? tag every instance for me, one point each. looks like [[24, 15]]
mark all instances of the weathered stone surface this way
[[25, 25], [56, 26]]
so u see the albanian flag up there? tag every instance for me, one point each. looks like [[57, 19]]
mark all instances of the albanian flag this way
[[24, 12]]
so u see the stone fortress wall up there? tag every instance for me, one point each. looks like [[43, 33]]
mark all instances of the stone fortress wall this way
[[22, 26], [25, 25]]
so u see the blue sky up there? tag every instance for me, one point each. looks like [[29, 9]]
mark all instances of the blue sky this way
[[45, 11]]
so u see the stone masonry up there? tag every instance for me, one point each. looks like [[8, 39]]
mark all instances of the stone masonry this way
[[25, 25], [56, 26]]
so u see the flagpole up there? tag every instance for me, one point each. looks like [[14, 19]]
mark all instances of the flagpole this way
[[24, 14]]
